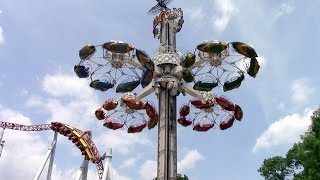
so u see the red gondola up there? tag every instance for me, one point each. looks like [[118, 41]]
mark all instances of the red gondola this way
[[136, 128], [100, 114], [112, 125], [238, 113], [225, 103], [133, 103], [110, 104], [184, 110], [203, 127], [227, 123], [202, 104], [184, 122], [150, 110], [153, 122]]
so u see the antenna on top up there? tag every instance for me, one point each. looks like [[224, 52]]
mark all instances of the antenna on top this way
[[162, 4]]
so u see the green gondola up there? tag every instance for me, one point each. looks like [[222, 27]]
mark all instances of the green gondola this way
[[187, 75], [101, 85], [146, 78], [253, 68], [81, 71], [244, 49], [87, 52], [144, 59], [205, 86], [212, 46], [127, 86], [118, 47], [233, 83], [188, 60]]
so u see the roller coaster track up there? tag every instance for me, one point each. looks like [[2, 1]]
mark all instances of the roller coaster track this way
[[75, 135]]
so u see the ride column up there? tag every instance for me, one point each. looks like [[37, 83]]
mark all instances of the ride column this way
[[1, 141], [166, 84]]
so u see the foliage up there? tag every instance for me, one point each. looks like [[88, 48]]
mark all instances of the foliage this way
[[302, 161], [275, 168], [180, 177], [184, 177]]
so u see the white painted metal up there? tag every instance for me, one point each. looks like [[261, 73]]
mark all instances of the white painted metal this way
[[1, 141], [52, 156], [44, 162], [83, 170], [107, 174]]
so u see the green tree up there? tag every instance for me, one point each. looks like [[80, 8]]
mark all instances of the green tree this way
[[184, 177], [302, 161], [275, 168], [180, 177]]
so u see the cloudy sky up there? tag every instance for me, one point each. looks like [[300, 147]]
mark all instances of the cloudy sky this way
[[39, 44]]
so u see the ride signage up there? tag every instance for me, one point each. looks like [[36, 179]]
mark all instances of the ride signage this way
[[166, 14]]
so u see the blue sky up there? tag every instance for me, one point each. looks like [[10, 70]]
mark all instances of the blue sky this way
[[39, 44]]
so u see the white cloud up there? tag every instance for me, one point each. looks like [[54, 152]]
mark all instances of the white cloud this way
[[58, 174], [121, 141], [129, 163], [148, 170], [226, 9], [285, 8], [196, 13], [70, 100], [189, 161], [301, 90], [59, 85], [23, 152], [2, 39], [262, 61], [117, 176], [286, 130]]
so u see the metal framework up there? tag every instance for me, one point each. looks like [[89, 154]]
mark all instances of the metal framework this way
[[213, 64], [81, 139]]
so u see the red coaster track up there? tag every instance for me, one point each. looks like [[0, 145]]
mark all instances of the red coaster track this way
[[81, 139]]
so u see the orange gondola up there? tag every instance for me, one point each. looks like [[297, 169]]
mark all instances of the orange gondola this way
[[202, 104], [227, 123], [153, 122], [238, 113], [203, 127], [225, 103], [112, 125], [150, 110], [184, 122], [184, 110], [136, 128], [100, 114], [110, 104], [133, 103]]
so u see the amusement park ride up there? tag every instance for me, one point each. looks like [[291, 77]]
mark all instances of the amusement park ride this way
[[119, 66], [82, 140]]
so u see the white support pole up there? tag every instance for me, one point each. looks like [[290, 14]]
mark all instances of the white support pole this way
[[45, 160], [107, 173], [52, 156], [1, 142], [83, 170]]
